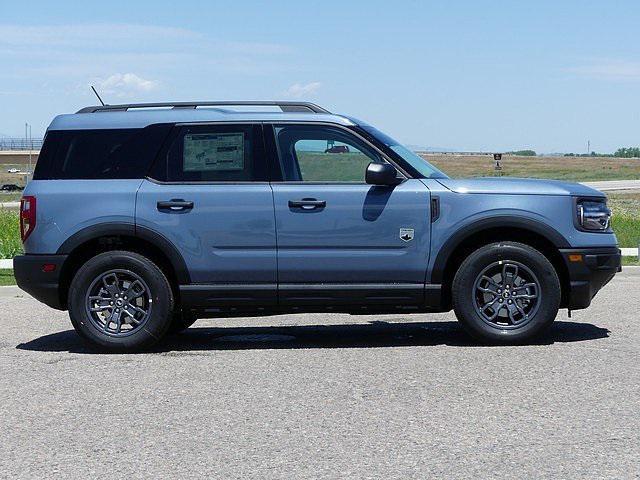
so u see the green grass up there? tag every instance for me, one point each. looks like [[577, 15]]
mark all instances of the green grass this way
[[627, 230], [327, 167], [10, 244], [6, 277], [626, 218]]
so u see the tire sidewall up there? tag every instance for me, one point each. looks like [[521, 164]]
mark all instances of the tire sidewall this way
[[162, 305], [464, 284]]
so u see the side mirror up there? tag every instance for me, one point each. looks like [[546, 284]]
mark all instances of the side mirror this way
[[382, 174]]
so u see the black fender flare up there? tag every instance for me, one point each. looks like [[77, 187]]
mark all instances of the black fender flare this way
[[131, 230], [466, 231]]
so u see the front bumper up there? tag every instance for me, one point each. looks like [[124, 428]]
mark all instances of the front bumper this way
[[594, 269], [40, 284]]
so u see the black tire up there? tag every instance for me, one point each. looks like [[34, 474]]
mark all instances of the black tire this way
[[158, 308], [468, 300], [181, 321]]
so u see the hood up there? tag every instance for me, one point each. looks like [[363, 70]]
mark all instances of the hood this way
[[518, 186]]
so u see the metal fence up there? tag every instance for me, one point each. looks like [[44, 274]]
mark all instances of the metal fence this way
[[10, 143]]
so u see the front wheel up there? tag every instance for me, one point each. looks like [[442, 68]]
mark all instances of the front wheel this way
[[506, 293], [120, 301]]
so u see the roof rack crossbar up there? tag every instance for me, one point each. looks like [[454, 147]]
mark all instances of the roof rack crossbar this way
[[284, 106]]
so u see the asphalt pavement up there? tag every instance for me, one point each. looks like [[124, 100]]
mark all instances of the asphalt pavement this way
[[325, 396], [613, 185]]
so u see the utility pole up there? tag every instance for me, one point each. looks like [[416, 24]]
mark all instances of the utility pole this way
[[30, 173], [588, 147]]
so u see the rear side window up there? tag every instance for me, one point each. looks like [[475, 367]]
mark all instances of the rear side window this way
[[99, 154], [213, 153]]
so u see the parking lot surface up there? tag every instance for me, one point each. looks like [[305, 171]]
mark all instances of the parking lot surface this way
[[325, 396]]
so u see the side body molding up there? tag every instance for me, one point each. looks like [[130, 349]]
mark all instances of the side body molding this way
[[502, 221], [131, 230]]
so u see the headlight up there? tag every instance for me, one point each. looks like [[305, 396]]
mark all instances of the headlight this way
[[593, 214]]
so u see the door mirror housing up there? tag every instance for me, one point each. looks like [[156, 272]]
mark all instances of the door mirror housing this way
[[382, 174]]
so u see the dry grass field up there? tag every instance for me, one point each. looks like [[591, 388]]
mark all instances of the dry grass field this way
[[15, 160], [580, 169]]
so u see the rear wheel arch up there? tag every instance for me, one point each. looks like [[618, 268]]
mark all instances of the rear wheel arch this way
[[543, 238], [106, 237]]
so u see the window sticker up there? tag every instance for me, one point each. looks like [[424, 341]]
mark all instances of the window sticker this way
[[213, 152]]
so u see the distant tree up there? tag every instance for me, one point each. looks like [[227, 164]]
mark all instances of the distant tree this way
[[523, 153], [628, 152]]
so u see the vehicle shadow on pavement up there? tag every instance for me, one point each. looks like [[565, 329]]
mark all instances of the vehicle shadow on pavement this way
[[362, 335]]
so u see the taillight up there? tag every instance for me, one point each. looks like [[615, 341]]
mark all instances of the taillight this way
[[27, 216]]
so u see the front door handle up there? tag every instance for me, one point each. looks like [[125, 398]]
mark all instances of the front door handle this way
[[307, 204], [175, 205]]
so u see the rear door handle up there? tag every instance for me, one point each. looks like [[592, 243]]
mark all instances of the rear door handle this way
[[175, 205], [307, 204]]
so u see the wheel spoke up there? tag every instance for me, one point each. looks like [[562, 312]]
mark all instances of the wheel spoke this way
[[116, 318], [509, 277], [135, 289], [135, 308], [496, 311], [100, 308], [527, 294], [99, 303], [491, 285], [110, 282], [520, 310], [489, 303], [132, 317]]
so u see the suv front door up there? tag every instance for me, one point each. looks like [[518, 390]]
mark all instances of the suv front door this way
[[209, 195], [340, 240]]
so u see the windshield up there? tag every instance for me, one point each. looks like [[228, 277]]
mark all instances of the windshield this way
[[416, 161]]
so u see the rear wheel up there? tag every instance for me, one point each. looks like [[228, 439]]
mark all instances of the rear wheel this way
[[120, 301], [506, 292]]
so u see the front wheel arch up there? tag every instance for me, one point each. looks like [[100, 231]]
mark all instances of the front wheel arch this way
[[450, 259]]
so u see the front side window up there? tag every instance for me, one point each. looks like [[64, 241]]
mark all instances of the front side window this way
[[213, 153], [318, 153]]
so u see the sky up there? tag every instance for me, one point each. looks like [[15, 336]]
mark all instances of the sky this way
[[462, 75]]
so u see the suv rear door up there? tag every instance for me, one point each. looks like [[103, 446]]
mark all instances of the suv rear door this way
[[208, 193], [340, 240]]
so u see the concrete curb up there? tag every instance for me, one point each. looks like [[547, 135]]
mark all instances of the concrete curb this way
[[12, 291], [10, 205]]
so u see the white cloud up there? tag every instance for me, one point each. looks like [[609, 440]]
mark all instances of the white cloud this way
[[298, 90], [126, 84], [609, 70]]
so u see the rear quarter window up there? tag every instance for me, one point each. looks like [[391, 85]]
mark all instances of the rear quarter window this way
[[99, 154]]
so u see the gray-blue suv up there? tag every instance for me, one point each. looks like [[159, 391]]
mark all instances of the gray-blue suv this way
[[142, 218]]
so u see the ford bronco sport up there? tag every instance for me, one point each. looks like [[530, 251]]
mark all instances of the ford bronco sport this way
[[142, 218]]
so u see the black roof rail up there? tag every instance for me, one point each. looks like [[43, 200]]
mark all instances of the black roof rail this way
[[284, 106]]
